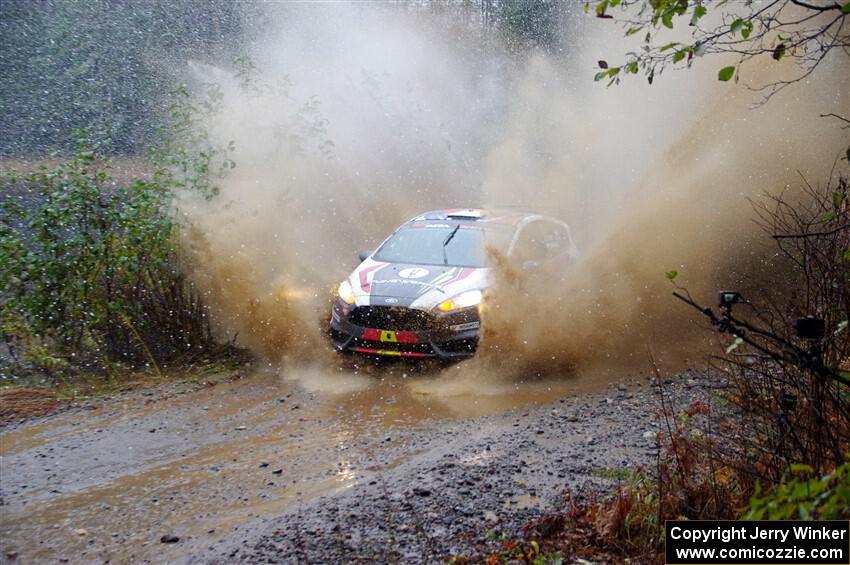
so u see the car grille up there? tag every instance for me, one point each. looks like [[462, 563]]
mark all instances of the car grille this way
[[394, 346], [392, 318], [459, 346]]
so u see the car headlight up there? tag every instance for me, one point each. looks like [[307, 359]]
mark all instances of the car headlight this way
[[463, 300], [345, 292]]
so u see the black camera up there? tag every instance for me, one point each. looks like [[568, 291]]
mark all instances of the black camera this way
[[726, 298]]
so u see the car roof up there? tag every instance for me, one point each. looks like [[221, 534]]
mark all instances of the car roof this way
[[505, 216]]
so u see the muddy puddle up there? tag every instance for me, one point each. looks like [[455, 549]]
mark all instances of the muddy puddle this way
[[106, 484]]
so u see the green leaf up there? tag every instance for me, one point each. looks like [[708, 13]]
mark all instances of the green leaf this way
[[668, 46], [845, 9], [699, 11], [667, 20], [736, 25], [726, 73], [606, 74], [828, 217], [600, 8], [778, 52], [672, 274], [747, 29], [678, 56]]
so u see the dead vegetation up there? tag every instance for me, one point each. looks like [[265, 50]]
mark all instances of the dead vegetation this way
[[18, 404], [775, 442]]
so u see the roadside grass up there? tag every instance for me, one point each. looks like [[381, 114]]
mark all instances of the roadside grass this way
[[615, 474]]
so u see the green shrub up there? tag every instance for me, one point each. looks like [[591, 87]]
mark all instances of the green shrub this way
[[90, 271], [805, 497]]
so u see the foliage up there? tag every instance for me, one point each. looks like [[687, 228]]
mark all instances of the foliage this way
[[791, 388], [805, 32], [777, 444], [630, 522], [789, 393], [508, 550], [186, 158], [92, 270], [805, 497]]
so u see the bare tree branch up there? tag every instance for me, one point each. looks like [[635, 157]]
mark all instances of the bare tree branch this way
[[815, 7]]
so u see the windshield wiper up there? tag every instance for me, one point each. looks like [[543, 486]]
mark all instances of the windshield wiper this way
[[446, 242]]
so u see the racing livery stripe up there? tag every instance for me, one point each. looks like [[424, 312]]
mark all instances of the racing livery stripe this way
[[385, 352], [465, 272], [440, 279], [458, 275], [365, 283]]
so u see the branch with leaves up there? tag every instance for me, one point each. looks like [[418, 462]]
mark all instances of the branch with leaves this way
[[805, 32]]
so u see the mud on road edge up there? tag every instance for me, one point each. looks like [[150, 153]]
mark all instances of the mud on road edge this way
[[26, 405]]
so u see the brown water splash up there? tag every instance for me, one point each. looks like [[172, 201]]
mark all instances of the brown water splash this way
[[359, 117]]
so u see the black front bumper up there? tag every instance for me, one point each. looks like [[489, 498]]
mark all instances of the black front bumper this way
[[404, 332]]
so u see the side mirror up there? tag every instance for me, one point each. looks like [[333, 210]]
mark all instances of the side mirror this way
[[364, 255]]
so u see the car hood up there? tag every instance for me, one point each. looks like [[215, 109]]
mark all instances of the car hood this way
[[377, 283]]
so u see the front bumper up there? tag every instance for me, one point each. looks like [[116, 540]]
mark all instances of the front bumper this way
[[404, 332]]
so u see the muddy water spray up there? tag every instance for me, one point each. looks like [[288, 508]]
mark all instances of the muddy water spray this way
[[657, 180], [357, 118]]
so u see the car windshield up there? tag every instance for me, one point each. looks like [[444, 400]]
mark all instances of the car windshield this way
[[455, 244]]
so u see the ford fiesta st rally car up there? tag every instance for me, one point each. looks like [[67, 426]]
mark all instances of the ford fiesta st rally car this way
[[419, 293]]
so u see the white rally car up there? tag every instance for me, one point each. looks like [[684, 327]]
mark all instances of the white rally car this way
[[419, 293]]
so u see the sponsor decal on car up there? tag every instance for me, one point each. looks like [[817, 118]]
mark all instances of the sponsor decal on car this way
[[413, 273], [467, 326], [365, 282]]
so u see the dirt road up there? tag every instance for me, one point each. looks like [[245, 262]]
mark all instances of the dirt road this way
[[326, 467]]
